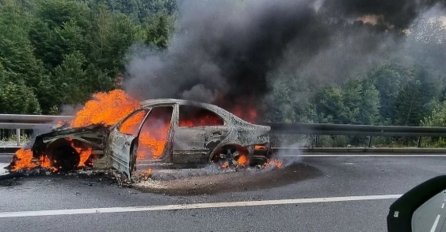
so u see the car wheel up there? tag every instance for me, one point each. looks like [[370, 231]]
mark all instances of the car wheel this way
[[65, 158], [231, 157]]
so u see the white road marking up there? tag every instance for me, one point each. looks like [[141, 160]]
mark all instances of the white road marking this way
[[192, 206], [374, 155], [442, 205], [3, 171], [434, 226]]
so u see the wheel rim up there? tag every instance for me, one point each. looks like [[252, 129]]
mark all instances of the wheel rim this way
[[228, 157]]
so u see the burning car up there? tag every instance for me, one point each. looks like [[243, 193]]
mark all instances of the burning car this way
[[163, 133]]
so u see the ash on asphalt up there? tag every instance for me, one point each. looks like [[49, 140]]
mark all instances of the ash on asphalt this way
[[211, 180], [17, 178]]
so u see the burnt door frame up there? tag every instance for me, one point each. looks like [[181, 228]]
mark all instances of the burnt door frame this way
[[167, 146]]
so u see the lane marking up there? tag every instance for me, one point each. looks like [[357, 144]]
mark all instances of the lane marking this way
[[192, 206], [335, 155], [434, 226], [442, 205], [3, 171]]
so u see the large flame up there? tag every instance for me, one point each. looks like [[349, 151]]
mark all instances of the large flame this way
[[23, 160], [83, 150], [154, 134], [130, 125], [152, 143], [105, 109]]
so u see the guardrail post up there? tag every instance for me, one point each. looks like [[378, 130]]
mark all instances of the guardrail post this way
[[419, 142], [370, 141], [17, 133]]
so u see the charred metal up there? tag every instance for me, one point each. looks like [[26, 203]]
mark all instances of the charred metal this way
[[190, 134]]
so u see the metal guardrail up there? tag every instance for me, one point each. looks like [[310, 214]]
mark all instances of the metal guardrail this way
[[32, 119], [348, 129], [20, 121], [357, 130]]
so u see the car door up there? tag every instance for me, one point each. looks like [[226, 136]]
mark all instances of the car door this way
[[197, 132], [154, 139], [121, 139]]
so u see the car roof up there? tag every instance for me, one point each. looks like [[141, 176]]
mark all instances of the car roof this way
[[160, 101], [172, 101]]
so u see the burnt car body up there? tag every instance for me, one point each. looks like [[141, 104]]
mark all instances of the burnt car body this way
[[194, 134]]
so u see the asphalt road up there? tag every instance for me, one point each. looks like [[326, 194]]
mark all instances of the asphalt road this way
[[325, 193]]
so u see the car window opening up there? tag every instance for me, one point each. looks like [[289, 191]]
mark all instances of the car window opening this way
[[192, 116], [154, 133], [131, 124]]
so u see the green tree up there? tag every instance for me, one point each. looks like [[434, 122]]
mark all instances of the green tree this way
[[437, 117], [289, 100], [70, 77], [62, 51], [416, 98], [17, 98], [158, 33], [330, 106], [16, 51], [355, 103], [389, 80], [58, 30], [109, 40]]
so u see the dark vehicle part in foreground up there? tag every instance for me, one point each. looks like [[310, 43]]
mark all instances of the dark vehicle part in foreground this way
[[165, 133], [63, 147], [420, 209]]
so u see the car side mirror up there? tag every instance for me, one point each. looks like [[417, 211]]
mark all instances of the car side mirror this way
[[420, 209]]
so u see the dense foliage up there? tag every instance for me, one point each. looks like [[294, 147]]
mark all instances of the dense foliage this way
[[55, 52]]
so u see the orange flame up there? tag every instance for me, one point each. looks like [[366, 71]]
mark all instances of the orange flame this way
[[84, 155], [152, 142], [83, 151], [23, 160], [154, 133], [105, 108], [130, 126], [46, 163], [242, 160]]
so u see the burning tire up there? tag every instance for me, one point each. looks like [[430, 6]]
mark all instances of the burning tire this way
[[64, 157], [231, 156]]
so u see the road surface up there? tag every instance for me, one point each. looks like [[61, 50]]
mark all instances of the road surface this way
[[324, 192]]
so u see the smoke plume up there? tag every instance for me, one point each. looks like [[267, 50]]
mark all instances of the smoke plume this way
[[229, 52]]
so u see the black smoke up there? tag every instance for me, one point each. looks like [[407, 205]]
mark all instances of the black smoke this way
[[227, 52]]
